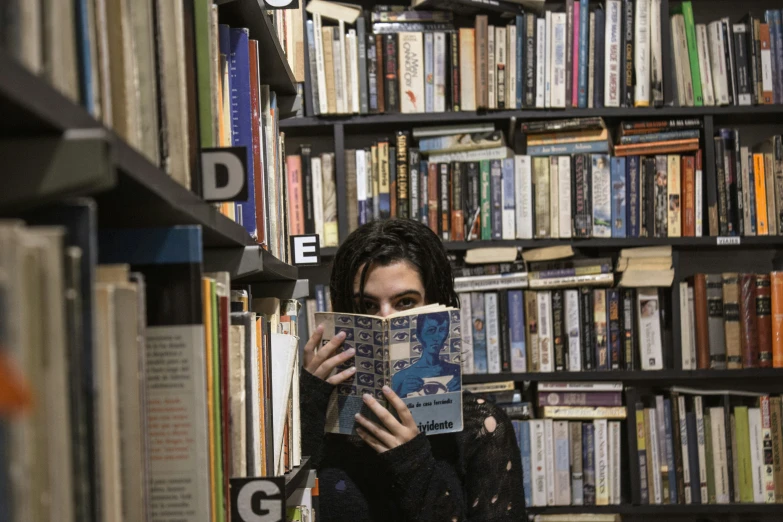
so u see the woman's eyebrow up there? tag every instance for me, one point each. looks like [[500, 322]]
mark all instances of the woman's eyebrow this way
[[356, 295]]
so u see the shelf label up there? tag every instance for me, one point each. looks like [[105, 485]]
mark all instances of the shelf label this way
[[257, 499], [281, 4], [224, 174], [731, 240], [306, 250]]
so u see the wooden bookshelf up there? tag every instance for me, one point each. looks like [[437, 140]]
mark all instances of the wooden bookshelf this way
[[731, 378]]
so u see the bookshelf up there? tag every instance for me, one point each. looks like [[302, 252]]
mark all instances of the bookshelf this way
[[56, 154], [690, 254]]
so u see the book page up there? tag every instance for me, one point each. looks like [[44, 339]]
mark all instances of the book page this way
[[425, 368], [365, 335]]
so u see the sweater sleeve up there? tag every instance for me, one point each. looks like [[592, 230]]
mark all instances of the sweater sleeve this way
[[491, 488], [313, 399]]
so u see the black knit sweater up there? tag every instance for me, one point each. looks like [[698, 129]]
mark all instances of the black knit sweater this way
[[475, 475]]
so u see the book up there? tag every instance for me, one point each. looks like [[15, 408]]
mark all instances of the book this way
[[411, 370]]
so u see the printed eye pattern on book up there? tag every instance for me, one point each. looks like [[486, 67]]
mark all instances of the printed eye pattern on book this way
[[366, 365], [379, 367], [400, 337], [348, 332], [366, 379], [364, 336], [400, 323], [401, 364], [378, 338], [344, 389], [364, 322], [345, 319], [364, 350]]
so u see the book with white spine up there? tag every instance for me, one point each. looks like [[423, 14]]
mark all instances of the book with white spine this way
[[720, 75], [653, 447], [343, 54], [466, 328], [548, 62], [538, 464], [411, 76], [580, 387], [701, 448], [493, 331], [541, 70], [491, 69], [523, 186], [687, 473], [562, 463], [554, 200], [353, 67], [549, 454], [615, 463], [650, 342], [508, 197], [698, 189], [692, 324], [719, 454], [511, 67], [612, 38], [756, 454], [641, 48], [361, 181], [564, 195], [319, 62], [656, 54], [467, 69], [685, 329], [544, 301], [602, 485], [573, 330], [318, 199], [440, 72], [591, 63], [501, 68], [558, 57], [705, 67]]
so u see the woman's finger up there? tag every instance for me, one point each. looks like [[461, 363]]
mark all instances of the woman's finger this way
[[339, 378], [313, 343], [388, 420], [371, 441], [383, 436], [324, 352], [333, 362], [402, 410]]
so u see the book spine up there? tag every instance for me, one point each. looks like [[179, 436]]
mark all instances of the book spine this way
[[627, 52], [481, 63], [776, 424], [411, 72], [693, 54], [380, 53], [384, 182], [513, 46], [717, 341], [541, 45], [491, 69], [698, 183], [661, 199], [429, 72], [581, 44], [684, 470], [361, 34], [763, 314], [559, 62], [742, 64], [480, 360], [613, 38], [718, 63], [548, 58], [424, 202], [516, 328], [564, 196], [457, 202], [568, 148], [531, 51], [508, 227], [654, 472], [768, 475], [688, 225], [493, 332], [614, 334], [641, 57], [520, 73], [754, 43], [656, 54], [414, 183], [573, 330], [542, 199], [589, 463], [544, 313], [527, 461], [629, 329], [728, 53], [531, 329], [403, 181], [649, 324], [669, 430], [390, 86], [433, 180], [747, 321], [705, 470], [575, 452], [485, 191], [602, 485], [591, 62], [558, 330], [588, 327], [766, 59], [466, 327], [633, 186], [600, 332], [457, 84], [445, 200], [501, 68], [523, 204], [601, 192], [339, 69], [674, 201], [641, 452], [549, 450], [538, 452], [562, 450], [619, 197], [582, 212], [440, 76], [571, 53], [705, 69]]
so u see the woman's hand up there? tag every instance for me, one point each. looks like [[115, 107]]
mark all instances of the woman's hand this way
[[394, 433], [322, 362]]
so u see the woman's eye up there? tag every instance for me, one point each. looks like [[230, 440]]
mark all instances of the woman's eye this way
[[405, 303], [370, 308]]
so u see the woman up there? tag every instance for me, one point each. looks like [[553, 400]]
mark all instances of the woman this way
[[391, 472]]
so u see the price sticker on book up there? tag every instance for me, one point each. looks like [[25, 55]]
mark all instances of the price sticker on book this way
[[258, 499], [726, 241]]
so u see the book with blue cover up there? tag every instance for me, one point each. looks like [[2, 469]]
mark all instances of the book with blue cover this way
[[479, 333], [415, 352], [619, 201], [241, 117]]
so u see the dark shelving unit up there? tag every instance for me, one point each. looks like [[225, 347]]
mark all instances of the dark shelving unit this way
[[250, 264], [666, 377], [296, 477]]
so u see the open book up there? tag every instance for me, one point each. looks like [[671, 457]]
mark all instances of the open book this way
[[416, 353]]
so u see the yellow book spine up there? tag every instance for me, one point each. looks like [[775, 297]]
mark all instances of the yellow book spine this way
[[762, 226], [206, 292]]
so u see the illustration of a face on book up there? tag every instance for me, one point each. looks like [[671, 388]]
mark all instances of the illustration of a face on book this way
[[425, 362]]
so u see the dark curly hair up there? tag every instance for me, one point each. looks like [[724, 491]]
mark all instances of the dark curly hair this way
[[385, 242]]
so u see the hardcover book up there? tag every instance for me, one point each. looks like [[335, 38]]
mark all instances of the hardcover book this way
[[416, 353]]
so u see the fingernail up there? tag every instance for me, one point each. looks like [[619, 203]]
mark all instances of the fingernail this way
[[352, 369], [351, 351], [357, 416], [340, 334], [320, 328], [366, 396], [386, 389]]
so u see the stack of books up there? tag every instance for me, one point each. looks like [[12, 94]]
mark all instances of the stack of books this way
[[392, 60], [571, 454], [732, 321], [749, 196], [709, 447], [725, 63]]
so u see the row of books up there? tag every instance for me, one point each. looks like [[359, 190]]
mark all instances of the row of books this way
[[577, 329], [732, 321], [749, 181], [312, 195], [572, 454], [725, 63], [419, 61], [134, 398], [705, 447]]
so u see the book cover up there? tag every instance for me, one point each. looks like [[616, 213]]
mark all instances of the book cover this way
[[614, 339], [516, 326], [527, 460], [582, 197], [523, 199], [391, 90], [573, 330], [619, 197], [545, 340], [674, 228], [602, 190], [479, 333], [496, 199], [411, 71], [600, 330], [486, 205], [612, 39], [649, 321], [562, 464], [415, 353], [538, 464], [589, 463], [509, 192], [492, 321]]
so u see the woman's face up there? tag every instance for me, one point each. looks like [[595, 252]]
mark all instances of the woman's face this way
[[390, 289]]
